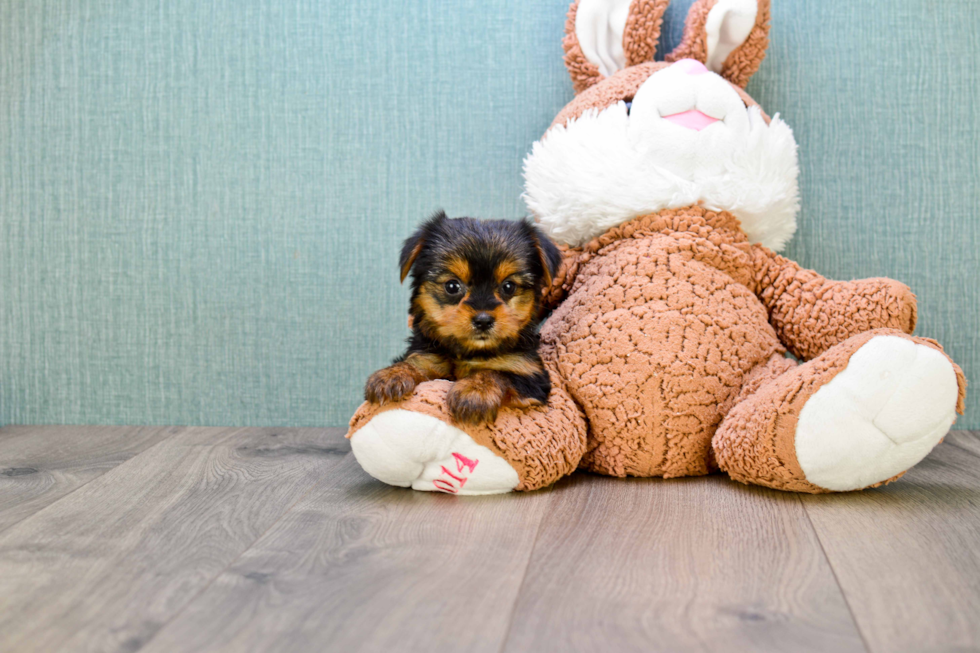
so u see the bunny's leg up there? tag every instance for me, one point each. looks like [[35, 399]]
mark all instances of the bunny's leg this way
[[414, 443], [858, 415]]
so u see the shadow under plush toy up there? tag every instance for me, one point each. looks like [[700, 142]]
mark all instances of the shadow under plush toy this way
[[671, 189]]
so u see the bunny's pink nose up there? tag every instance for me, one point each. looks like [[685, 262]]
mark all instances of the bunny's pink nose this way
[[691, 67]]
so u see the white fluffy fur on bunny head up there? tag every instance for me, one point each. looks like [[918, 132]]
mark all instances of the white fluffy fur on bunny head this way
[[610, 166], [654, 136]]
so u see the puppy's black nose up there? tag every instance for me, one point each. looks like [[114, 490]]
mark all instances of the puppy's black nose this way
[[482, 321]]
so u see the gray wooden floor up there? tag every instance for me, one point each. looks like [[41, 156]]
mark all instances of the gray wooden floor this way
[[209, 539]]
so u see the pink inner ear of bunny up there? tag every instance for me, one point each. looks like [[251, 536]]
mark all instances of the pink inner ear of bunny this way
[[642, 31], [583, 72], [742, 63]]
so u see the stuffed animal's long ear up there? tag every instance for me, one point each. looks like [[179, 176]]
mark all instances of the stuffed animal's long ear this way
[[642, 31], [730, 37], [605, 36], [414, 243], [548, 253]]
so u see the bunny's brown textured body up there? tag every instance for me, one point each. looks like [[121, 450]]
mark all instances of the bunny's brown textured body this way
[[666, 324], [656, 338]]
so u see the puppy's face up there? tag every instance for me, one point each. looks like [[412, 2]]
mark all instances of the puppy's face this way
[[479, 303], [476, 283]]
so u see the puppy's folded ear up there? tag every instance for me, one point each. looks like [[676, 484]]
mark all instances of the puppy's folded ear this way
[[416, 242], [548, 253]]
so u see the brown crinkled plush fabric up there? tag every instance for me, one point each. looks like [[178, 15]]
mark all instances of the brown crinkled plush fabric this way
[[742, 63], [621, 86], [642, 30], [756, 442], [812, 314], [583, 72], [561, 283], [671, 319], [542, 445], [694, 41], [777, 365], [656, 336]]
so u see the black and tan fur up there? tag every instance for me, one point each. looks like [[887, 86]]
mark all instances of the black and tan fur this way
[[475, 309]]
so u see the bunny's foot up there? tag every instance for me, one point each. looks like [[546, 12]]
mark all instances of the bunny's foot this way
[[409, 449], [858, 415], [880, 416], [415, 443]]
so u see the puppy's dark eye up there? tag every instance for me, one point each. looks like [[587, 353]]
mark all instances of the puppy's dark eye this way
[[453, 287], [508, 288]]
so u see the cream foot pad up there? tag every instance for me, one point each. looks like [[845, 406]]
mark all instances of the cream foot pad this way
[[408, 449], [878, 417]]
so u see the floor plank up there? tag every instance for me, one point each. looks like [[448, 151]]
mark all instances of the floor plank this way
[[163, 540], [41, 464], [908, 555], [699, 564], [103, 568], [359, 566]]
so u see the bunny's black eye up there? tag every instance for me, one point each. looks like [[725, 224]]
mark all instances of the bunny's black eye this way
[[629, 105], [453, 287], [508, 288]]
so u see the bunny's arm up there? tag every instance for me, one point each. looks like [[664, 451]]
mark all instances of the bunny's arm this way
[[812, 314]]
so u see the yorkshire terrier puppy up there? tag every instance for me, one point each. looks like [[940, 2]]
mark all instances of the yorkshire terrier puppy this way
[[475, 309]]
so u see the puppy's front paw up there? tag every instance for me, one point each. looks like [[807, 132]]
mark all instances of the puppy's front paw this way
[[475, 399], [390, 384]]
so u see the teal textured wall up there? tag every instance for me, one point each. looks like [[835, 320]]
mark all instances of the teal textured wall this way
[[201, 200]]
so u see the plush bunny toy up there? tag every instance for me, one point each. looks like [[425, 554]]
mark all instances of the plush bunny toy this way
[[671, 188]]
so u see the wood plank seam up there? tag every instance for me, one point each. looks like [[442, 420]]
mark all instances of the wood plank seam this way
[[231, 564], [206, 474], [170, 435], [833, 571], [904, 554], [527, 565], [679, 564], [360, 566]]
